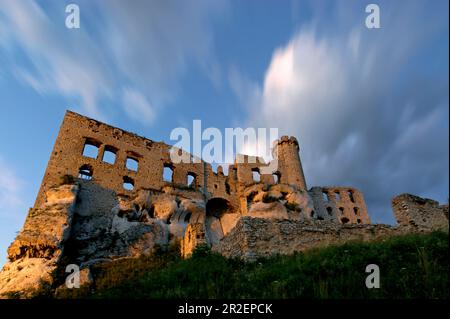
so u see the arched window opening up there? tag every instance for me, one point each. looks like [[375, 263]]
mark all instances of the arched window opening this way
[[109, 155], [338, 195], [132, 164], [168, 173], [256, 175], [90, 148], [350, 195], [227, 188], [85, 172], [192, 180], [128, 183], [276, 177]]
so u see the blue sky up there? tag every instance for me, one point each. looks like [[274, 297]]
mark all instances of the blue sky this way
[[369, 106]]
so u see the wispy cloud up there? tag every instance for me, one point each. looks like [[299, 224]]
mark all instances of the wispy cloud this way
[[10, 190], [56, 61], [137, 107], [365, 111], [146, 46]]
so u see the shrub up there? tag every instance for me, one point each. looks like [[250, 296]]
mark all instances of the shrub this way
[[411, 266]]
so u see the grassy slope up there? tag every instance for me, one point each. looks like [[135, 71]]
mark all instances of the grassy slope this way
[[412, 266]]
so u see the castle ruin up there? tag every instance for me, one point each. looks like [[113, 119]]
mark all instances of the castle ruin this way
[[125, 197]]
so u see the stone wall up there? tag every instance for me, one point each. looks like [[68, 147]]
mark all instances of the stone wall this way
[[419, 212], [259, 237], [343, 205], [77, 133], [255, 237]]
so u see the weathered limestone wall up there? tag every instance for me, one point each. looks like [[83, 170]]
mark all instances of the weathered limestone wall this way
[[46, 228], [419, 212], [77, 131], [261, 237], [84, 223], [279, 201], [258, 237], [344, 205], [119, 225], [246, 165], [195, 235]]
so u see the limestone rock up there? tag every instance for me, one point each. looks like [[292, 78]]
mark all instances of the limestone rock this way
[[23, 277], [300, 201], [194, 236], [273, 210], [259, 196], [272, 195], [195, 207], [164, 207], [64, 194]]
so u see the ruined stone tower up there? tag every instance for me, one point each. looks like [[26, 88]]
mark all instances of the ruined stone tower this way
[[290, 170]]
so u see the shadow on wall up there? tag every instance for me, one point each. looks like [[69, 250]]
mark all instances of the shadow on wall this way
[[221, 217]]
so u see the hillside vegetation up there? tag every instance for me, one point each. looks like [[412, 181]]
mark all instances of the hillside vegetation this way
[[411, 266]]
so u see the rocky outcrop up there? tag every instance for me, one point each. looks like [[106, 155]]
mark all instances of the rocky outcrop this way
[[194, 236], [278, 201], [84, 224], [26, 277], [35, 253]]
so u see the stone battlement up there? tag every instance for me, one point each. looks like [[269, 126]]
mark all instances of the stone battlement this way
[[286, 139]]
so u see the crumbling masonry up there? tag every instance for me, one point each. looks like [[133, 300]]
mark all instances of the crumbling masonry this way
[[108, 193]]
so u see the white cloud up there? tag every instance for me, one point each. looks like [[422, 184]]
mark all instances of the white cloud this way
[[153, 42], [59, 62], [147, 46], [137, 107], [339, 92]]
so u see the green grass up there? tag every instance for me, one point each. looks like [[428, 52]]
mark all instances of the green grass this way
[[411, 266]]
